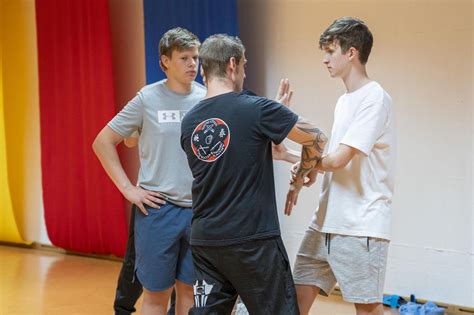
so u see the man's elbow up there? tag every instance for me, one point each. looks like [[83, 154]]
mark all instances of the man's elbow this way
[[99, 143], [96, 144], [338, 164], [342, 157]]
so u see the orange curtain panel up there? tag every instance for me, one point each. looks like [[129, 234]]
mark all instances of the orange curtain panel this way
[[8, 228]]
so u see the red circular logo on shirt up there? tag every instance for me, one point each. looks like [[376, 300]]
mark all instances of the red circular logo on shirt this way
[[210, 139]]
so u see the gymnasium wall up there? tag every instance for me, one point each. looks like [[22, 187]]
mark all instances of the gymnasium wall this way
[[423, 56]]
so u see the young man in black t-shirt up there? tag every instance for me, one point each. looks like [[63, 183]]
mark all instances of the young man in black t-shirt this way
[[235, 235]]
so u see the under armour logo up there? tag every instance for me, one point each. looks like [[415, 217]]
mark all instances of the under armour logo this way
[[201, 291], [170, 116], [166, 115]]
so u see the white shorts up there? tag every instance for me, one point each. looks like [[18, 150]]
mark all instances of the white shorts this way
[[358, 264]]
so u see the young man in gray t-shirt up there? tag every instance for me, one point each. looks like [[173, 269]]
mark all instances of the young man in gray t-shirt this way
[[163, 257]]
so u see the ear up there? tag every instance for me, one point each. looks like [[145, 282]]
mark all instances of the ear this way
[[165, 61], [201, 70], [232, 63], [203, 75], [352, 53]]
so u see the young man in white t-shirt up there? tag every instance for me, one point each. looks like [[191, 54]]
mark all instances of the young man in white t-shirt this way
[[347, 240]]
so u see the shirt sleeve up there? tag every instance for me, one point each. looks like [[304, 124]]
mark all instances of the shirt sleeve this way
[[276, 120], [130, 118], [367, 126]]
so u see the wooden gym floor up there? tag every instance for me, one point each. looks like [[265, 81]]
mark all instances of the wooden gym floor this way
[[38, 282]]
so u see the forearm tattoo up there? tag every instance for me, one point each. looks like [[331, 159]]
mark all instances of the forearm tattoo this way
[[313, 148]]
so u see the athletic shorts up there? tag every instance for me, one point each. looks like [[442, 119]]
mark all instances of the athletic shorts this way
[[358, 264], [257, 270], [163, 253]]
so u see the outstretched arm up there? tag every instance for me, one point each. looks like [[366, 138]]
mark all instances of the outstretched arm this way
[[313, 142], [338, 159]]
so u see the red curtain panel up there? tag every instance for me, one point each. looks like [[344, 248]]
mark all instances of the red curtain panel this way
[[84, 212]]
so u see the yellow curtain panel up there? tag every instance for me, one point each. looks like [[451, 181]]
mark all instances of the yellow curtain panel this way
[[21, 115], [8, 228]]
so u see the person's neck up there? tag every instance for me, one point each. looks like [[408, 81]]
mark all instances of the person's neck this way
[[218, 86], [179, 87], [355, 79]]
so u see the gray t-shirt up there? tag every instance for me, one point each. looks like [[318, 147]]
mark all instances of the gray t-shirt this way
[[156, 112]]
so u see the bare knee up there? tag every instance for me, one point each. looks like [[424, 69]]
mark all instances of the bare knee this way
[[369, 309], [306, 294], [184, 297], [183, 288], [157, 298]]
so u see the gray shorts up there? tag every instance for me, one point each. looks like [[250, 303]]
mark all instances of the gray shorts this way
[[357, 263]]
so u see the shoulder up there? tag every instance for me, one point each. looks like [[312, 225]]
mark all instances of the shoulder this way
[[199, 89], [151, 88], [254, 100], [377, 96], [377, 91]]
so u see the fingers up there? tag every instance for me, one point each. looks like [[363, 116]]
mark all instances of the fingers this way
[[280, 89], [149, 198], [156, 194], [151, 204], [142, 209], [288, 204], [290, 95], [294, 168], [157, 200], [284, 100], [283, 91], [291, 199], [311, 178], [150, 201], [286, 86]]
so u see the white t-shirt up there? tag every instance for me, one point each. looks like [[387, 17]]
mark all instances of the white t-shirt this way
[[356, 200]]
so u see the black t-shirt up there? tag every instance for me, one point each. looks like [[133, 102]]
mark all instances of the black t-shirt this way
[[227, 139]]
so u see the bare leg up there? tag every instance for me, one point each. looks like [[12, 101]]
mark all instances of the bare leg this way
[[369, 309], [306, 295], [184, 298], [155, 303]]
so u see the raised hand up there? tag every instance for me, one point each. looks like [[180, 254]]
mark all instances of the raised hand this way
[[284, 93]]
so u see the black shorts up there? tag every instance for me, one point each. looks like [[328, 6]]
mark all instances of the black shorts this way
[[258, 271]]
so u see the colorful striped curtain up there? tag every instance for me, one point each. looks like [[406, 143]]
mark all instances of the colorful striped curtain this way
[[63, 65]]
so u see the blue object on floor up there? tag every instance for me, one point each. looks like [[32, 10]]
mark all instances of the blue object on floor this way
[[433, 309], [411, 308], [429, 308], [394, 301]]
